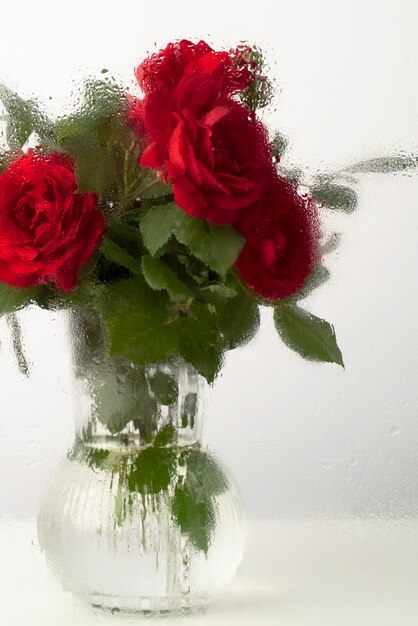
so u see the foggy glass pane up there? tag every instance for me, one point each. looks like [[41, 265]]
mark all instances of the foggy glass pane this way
[[325, 457]]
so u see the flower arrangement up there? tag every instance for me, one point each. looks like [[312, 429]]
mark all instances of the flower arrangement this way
[[171, 212], [161, 223]]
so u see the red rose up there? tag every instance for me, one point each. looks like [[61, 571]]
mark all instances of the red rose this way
[[135, 117], [282, 236], [211, 149], [47, 229], [168, 66]]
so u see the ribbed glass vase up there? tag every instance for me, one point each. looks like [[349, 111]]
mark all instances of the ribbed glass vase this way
[[139, 516]]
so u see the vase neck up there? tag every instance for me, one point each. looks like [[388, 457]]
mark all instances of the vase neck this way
[[124, 403]]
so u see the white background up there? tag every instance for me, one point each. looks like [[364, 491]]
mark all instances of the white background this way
[[301, 439]]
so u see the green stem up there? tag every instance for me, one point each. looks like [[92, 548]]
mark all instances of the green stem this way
[[128, 153], [130, 195], [16, 331], [149, 186]]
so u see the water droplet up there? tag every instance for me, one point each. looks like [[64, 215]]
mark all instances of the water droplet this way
[[326, 464]]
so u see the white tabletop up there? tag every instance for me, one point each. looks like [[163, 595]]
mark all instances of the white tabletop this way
[[295, 573]]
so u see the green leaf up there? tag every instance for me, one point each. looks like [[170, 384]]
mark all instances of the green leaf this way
[[201, 465], [158, 224], [293, 175], [164, 388], [118, 255], [279, 145], [194, 513], [91, 140], [198, 341], [239, 321], [188, 410], [97, 136], [216, 245], [87, 292], [335, 197], [146, 421], [311, 337], [152, 470], [4, 158], [165, 436], [96, 459], [213, 293], [95, 168], [159, 276], [139, 323], [318, 276], [260, 92], [98, 120], [194, 501], [13, 298], [381, 165], [24, 118], [331, 244], [152, 187], [118, 392], [103, 96]]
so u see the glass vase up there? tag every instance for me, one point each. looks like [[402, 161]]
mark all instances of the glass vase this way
[[139, 516]]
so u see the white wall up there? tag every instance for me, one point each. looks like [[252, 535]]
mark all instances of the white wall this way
[[301, 439]]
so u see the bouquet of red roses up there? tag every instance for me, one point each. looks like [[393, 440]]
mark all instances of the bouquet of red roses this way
[[170, 213]]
